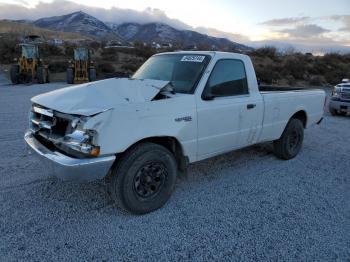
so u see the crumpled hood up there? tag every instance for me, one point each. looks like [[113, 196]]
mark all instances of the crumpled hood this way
[[96, 97]]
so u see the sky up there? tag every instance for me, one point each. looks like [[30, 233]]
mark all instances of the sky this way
[[313, 23]]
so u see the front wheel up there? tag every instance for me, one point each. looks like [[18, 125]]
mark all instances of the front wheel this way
[[291, 141], [144, 178], [335, 112], [14, 73], [92, 74], [70, 76], [41, 75]]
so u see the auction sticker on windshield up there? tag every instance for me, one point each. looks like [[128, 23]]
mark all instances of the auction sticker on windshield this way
[[193, 58]]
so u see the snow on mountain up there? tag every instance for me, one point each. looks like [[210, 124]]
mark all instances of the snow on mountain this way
[[162, 33], [85, 24], [78, 22]]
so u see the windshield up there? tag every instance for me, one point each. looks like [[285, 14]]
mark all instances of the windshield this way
[[29, 51], [81, 54], [182, 70]]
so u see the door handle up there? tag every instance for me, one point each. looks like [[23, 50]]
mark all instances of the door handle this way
[[251, 106]]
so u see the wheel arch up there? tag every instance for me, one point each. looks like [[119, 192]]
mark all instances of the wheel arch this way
[[302, 116], [170, 143]]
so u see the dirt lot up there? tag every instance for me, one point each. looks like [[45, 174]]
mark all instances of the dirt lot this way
[[245, 205]]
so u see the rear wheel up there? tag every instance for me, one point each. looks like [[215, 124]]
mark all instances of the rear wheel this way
[[14, 74], [40, 74], [143, 180], [47, 74], [291, 141], [70, 76], [92, 74]]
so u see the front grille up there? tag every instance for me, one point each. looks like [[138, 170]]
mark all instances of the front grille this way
[[48, 124], [345, 96]]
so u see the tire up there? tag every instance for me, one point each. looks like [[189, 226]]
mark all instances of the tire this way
[[92, 74], [143, 180], [40, 74], [27, 78], [14, 74], [335, 112], [291, 141], [47, 74], [70, 76]]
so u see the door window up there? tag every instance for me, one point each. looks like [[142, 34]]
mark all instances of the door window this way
[[228, 78]]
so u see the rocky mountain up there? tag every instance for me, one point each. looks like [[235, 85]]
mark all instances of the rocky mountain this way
[[85, 24], [78, 22], [162, 33]]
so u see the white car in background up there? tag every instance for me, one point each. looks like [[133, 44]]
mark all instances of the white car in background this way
[[339, 104]]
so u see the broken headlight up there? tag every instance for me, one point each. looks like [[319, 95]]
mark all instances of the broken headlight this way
[[83, 141]]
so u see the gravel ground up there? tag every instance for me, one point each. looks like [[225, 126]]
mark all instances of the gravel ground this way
[[245, 205]]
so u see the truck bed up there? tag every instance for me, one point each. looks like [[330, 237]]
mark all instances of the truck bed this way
[[282, 103]]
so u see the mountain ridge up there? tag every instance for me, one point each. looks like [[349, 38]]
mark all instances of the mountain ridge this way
[[77, 22], [85, 24], [163, 33]]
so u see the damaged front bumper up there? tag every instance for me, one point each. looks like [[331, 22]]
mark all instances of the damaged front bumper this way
[[68, 168]]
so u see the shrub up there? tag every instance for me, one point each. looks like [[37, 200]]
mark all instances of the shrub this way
[[296, 66], [334, 76], [110, 54], [317, 81], [58, 66], [144, 51], [267, 74], [267, 51], [46, 50], [94, 46], [8, 49], [130, 67], [106, 68]]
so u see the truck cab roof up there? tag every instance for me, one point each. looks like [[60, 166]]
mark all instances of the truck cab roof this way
[[209, 53]]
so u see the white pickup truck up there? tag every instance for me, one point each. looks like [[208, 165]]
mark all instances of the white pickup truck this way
[[178, 108]]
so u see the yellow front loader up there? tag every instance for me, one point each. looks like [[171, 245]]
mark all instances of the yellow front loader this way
[[29, 68], [81, 69]]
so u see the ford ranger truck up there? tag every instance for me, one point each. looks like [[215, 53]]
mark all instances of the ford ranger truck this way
[[178, 108], [339, 104]]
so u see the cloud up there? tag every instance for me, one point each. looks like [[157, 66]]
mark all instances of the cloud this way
[[313, 46], [22, 2], [345, 19], [286, 21], [307, 38], [217, 33], [296, 31], [113, 15], [304, 31]]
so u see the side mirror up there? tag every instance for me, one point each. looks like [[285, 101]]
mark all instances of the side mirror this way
[[208, 97], [207, 94]]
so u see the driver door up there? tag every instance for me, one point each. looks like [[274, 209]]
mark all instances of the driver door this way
[[227, 113]]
